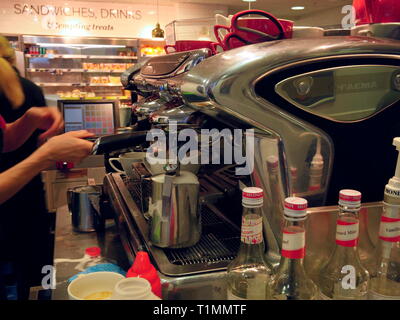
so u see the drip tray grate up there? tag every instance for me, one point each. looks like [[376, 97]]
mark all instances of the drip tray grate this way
[[219, 242]]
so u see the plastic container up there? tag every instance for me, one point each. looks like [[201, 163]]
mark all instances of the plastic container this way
[[91, 258], [143, 268], [190, 29], [133, 289]]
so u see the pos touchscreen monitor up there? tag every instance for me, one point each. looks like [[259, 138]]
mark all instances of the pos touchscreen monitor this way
[[98, 117]]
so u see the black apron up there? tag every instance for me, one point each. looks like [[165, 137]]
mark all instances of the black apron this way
[[24, 221]]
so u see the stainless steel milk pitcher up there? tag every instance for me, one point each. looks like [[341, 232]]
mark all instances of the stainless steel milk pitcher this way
[[84, 206], [174, 210]]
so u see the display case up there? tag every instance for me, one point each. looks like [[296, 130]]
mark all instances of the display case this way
[[190, 29], [79, 67], [151, 47], [15, 41]]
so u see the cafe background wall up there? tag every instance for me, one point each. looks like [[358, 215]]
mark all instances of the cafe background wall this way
[[100, 19]]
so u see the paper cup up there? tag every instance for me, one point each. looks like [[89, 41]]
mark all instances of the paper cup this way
[[94, 286]]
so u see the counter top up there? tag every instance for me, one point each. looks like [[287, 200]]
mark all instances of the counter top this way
[[71, 245]]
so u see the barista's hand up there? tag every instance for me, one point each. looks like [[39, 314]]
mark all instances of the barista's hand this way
[[46, 118], [69, 147]]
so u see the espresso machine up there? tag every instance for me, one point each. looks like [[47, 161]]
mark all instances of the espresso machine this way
[[157, 81], [321, 114]]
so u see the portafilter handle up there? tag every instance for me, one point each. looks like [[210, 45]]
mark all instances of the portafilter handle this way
[[120, 141]]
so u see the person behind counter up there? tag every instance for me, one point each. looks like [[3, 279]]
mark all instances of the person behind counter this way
[[24, 229]]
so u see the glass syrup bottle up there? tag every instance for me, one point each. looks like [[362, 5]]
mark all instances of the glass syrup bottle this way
[[291, 281], [343, 277], [385, 278], [249, 273]]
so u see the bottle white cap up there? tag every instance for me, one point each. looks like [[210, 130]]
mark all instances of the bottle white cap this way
[[350, 198], [393, 187], [252, 197], [295, 208]]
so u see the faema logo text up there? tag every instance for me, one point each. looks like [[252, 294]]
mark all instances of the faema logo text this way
[[203, 148]]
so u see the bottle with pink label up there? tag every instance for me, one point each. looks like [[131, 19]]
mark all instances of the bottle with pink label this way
[[385, 278], [344, 277], [249, 273], [291, 281]]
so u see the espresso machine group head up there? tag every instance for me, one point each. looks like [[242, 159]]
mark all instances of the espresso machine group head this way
[[156, 81]]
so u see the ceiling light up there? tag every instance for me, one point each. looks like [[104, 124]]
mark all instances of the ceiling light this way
[[249, 0], [157, 32], [297, 8]]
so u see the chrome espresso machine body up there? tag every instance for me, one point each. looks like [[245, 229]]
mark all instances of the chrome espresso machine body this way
[[158, 82], [324, 113], [326, 109]]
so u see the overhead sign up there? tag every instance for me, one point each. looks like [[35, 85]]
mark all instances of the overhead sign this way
[[82, 18]]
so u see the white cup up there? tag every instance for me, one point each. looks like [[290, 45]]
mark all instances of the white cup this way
[[96, 284], [158, 168], [126, 160], [134, 288]]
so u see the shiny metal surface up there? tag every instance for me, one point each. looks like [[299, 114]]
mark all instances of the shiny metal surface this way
[[307, 32], [372, 87], [146, 107], [180, 62], [162, 77], [292, 157], [223, 87], [179, 114], [84, 206], [174, 210], [181, 282], [171, 81], [379, 30], [135, 234], [127, 75]]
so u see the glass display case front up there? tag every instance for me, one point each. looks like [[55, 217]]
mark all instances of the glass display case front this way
[[79, 67]]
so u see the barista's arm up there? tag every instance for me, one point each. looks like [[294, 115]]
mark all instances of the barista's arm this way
[[46, 118], [70, 147], [15, 134], [15, 178]]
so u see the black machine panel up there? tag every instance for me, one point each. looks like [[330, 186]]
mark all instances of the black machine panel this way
[[360, 113]]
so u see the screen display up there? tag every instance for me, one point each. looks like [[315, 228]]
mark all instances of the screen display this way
[[97, 118]]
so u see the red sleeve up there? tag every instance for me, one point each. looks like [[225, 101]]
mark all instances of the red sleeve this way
[[2, 123]]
